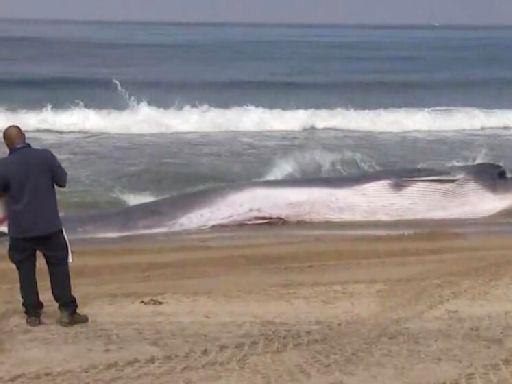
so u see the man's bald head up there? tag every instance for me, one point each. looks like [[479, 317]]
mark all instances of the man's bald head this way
[[14, 137]]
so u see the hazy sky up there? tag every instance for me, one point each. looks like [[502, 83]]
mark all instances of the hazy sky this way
[[285, 11]]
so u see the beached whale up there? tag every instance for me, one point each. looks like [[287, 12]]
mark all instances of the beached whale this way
[[408, 194]]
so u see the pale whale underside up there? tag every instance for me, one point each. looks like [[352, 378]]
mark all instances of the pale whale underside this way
[[454, 192]]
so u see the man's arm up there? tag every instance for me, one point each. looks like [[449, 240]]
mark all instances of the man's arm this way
[[59, 174]]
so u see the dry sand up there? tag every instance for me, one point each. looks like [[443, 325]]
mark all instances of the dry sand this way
[[273, 305]]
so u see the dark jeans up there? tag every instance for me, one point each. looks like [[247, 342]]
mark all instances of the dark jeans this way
[[22, 252]]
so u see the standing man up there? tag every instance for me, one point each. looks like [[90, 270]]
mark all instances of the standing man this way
[[28, 177]]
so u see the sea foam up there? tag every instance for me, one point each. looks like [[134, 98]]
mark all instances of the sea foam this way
[[142, 118]]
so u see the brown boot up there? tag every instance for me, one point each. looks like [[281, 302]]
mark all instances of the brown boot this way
[[67, 319]]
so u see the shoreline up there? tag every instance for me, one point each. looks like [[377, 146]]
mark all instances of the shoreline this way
[[496, 224]]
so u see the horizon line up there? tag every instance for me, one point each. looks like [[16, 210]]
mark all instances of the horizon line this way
[[257, 23]]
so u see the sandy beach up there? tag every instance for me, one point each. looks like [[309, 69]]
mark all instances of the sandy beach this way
[[273, 305]]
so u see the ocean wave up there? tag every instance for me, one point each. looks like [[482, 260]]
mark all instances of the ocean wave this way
[[320, 163], [142, 118]]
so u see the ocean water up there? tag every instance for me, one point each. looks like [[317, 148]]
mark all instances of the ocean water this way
[[139, 111]]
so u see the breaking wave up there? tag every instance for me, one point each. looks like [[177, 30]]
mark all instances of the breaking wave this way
[[142, 118], [320, 163]]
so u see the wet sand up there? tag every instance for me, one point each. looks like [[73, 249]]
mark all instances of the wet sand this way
[[273, 305]]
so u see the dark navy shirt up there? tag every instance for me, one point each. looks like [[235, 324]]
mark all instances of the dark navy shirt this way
[[28, 177]]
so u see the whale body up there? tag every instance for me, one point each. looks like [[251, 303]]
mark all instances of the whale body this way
[[474, 191]]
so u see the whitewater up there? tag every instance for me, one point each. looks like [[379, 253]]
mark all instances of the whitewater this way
[[143, 118]]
